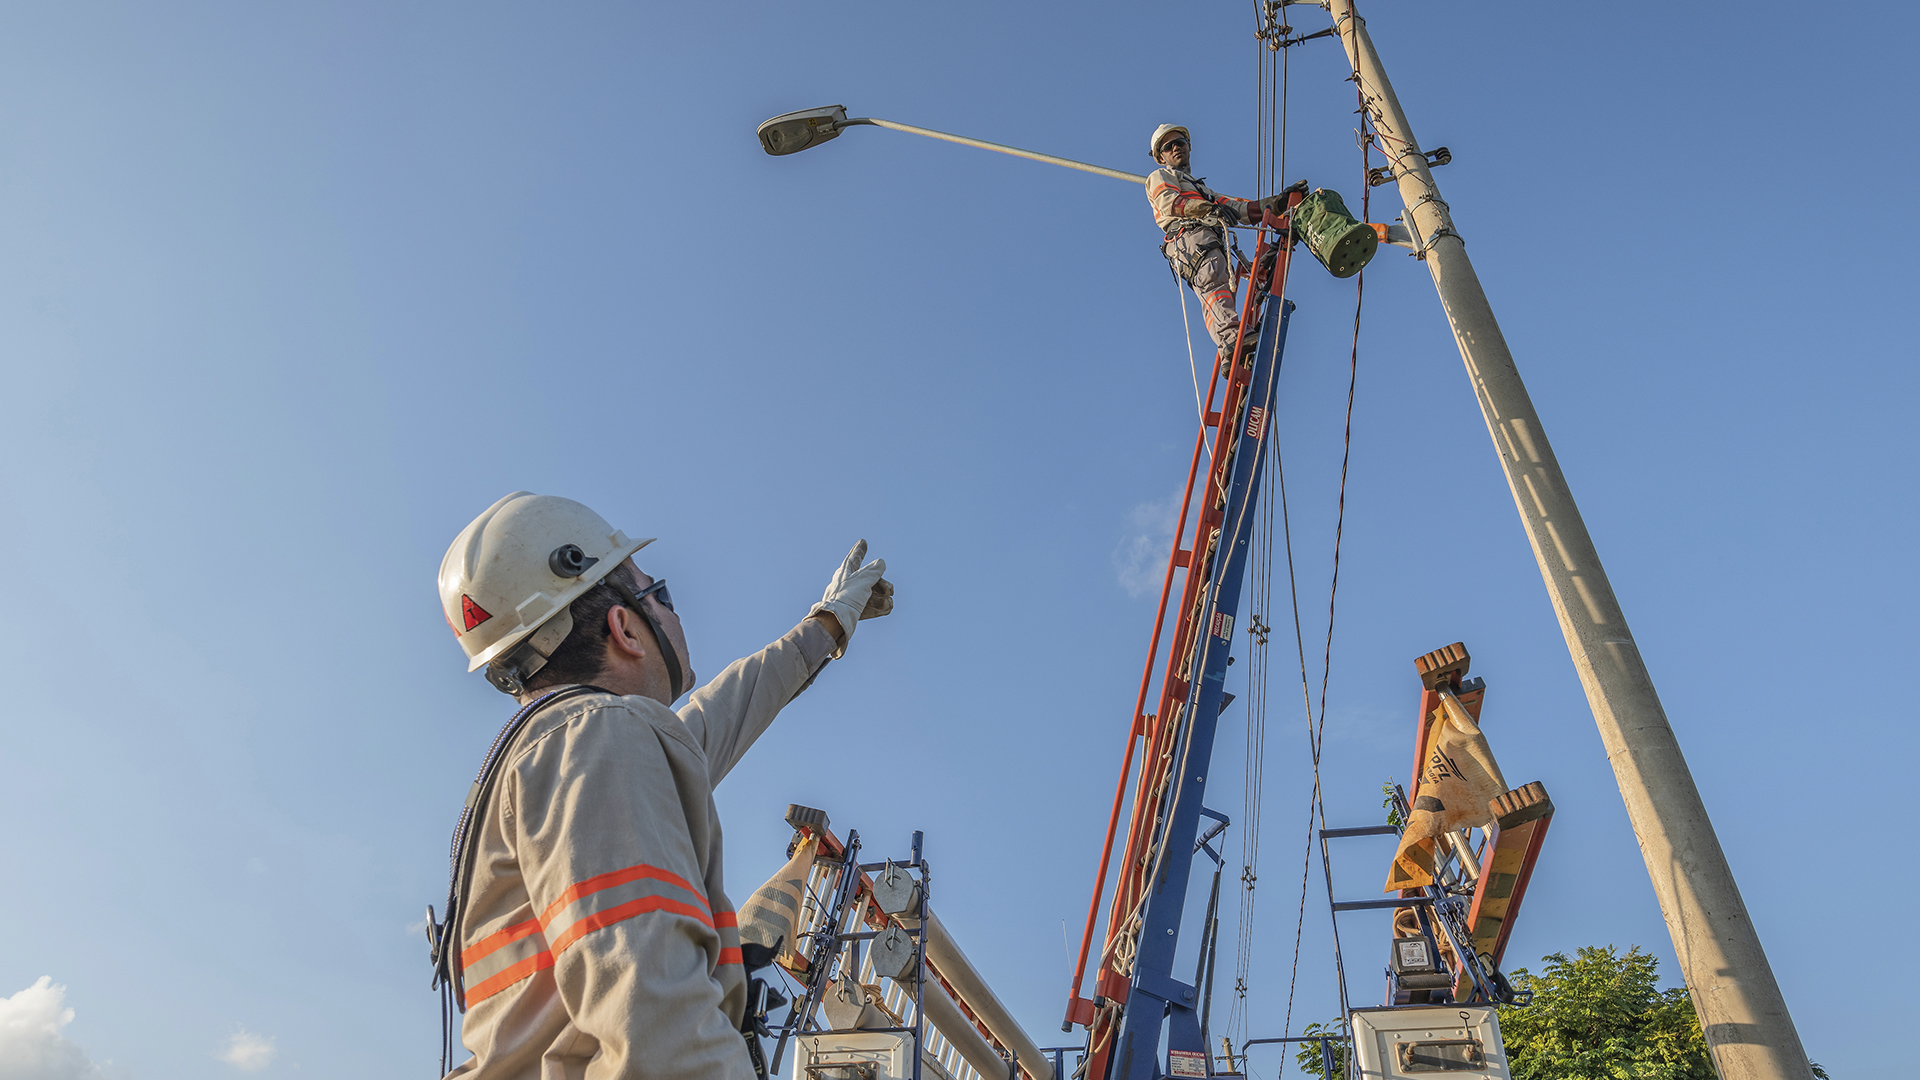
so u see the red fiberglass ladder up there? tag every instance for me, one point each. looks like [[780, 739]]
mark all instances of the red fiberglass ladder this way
[[1135, 993]]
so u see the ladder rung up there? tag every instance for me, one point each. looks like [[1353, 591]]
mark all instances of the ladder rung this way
[[1213, 419], [1183, 558], [1359, 830], [1379, 905]]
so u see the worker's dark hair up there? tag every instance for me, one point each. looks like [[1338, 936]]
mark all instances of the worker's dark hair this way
[[582, 656]]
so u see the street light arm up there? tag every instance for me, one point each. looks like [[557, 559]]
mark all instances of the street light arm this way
[[1098, 170]]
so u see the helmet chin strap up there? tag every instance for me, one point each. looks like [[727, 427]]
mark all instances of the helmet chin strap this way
[[677, 676]]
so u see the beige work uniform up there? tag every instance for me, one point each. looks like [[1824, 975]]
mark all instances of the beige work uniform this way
[[1194, 220], [597, 940]]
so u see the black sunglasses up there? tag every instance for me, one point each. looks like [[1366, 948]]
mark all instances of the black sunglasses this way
[[1172, 144], [657, 590]]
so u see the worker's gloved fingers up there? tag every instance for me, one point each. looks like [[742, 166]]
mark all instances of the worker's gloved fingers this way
[[851, 593], [847, 568], [858, 589], [879, 601], [851, 564], [852, 581]]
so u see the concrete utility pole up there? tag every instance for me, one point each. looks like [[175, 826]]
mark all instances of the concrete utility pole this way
[[1745, 1019]]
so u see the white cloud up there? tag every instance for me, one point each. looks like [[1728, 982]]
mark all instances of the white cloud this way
[[247, 1052], [31, 1046], [1140, 560]]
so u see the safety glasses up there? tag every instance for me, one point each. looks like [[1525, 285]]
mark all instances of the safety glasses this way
[[657, 590], [632, 599], [1173, 144]]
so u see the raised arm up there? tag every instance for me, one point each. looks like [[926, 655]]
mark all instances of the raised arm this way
[[726, 715], [729, 713]]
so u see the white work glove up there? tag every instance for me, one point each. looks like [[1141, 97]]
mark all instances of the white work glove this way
[[856, 592]]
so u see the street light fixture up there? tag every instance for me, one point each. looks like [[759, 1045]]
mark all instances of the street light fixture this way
[[790, 133], [793, 132]]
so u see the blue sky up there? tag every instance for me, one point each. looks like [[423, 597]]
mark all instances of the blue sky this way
[[290, 293]]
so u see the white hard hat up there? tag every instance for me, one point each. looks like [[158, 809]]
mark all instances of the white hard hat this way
[[517, 567], [1160, 135]]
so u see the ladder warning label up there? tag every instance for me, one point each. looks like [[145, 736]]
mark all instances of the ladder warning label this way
[[1222, 625], [1186, 1063]]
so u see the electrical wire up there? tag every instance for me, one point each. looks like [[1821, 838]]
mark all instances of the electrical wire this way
[[1254, 784], [1273, 100], [1339, 530], [1316, 727]]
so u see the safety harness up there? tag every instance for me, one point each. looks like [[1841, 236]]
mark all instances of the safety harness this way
[[1222, 234], [442, 934]]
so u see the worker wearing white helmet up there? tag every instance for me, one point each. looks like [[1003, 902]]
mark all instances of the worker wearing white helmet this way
[[1194, 220], [588, 931]]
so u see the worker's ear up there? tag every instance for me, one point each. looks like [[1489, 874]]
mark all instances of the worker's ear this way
[[628, 634]]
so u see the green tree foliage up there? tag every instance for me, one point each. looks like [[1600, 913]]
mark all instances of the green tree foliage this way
[[1602, 1016], [1309, 1053], [1598, 1016], [1391, 803]]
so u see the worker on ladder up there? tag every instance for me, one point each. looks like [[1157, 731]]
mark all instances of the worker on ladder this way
[[588, 930], [1195, 221]]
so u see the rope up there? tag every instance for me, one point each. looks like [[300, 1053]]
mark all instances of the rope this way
[[1316, 727], [1346, 451], [1193, 366]]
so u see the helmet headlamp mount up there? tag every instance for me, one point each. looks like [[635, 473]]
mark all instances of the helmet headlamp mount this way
[[568, 561]]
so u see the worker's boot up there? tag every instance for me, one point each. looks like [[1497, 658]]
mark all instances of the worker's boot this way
[[1249, 343]]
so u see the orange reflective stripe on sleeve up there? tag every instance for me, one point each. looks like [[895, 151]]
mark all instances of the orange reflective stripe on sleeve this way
[[503, 958], [728, 924], [614, 878], [493, 942], [620, 913], [618, 895], [507, 976]]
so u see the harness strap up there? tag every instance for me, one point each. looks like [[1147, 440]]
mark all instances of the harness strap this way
[[442, 933], [1183, 268]]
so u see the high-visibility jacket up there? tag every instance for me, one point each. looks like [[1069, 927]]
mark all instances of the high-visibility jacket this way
[[598, 941], [1179, 201]]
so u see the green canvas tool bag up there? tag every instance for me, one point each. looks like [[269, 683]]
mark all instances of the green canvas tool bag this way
[[1342, 244]]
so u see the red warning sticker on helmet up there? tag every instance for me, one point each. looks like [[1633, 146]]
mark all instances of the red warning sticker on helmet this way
[[471, 612]]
